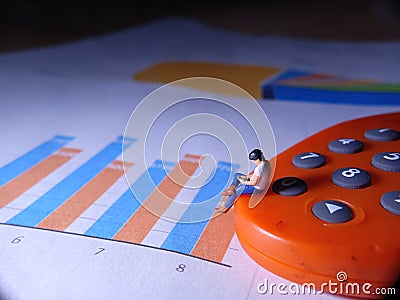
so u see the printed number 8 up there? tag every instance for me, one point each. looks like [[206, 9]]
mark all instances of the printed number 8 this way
[[181, 268], [350, 173]]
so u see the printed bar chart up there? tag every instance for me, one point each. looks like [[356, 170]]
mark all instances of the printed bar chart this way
[[23, 182], [28, 160], [125, 216], [185, 235], [155, 205], [50, 201], [216, 237], [119, 213], [65, 215]]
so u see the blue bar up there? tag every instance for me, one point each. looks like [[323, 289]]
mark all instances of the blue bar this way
[[50, 201], [28, 160], [267, 88], [314, 94], [119, 213], [185, 234]]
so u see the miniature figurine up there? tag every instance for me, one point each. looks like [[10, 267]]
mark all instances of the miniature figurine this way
[[253, 183]]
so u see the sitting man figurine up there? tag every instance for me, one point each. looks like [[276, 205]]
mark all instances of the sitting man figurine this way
[[253, 183]]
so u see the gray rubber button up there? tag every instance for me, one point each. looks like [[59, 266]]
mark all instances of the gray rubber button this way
[[309, 160], [351, 178], [387, 161], [346, 146], [289, 186], [391, 202], [332, 211], [382, 134]]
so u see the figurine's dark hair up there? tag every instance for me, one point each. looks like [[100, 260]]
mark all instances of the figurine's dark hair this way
[[256, 154]]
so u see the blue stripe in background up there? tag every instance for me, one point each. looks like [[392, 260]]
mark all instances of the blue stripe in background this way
[[315, 94], [185, 234], [31, 158], [119, 213], [267, 88], [50, 201]]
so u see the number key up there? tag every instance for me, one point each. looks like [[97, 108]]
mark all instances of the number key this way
[[351, 178], [391, 202], [309, 160], [346, 146], [289, 186], [382, 134], [387, 161]]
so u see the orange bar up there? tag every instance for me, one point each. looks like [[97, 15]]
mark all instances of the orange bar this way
[[70, 210], [249, 77], [216, 237], [26, 180], [141, 222]]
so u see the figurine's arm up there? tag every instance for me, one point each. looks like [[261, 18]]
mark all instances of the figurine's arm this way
[[245, 177], [250, 180], [253, 180]]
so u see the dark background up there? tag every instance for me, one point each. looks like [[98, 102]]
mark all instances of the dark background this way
[[29, 23]]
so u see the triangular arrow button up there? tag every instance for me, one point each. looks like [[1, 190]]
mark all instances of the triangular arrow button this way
[[333, 208]]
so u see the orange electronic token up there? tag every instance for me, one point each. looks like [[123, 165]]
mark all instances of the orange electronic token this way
[[332, 214]]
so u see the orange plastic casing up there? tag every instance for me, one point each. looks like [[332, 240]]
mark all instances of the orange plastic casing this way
[[282, 234]]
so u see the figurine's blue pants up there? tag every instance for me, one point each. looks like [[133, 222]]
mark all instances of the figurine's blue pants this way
[[240, 190]]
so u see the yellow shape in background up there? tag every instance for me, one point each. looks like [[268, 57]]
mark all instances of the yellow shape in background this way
[[250, 78]]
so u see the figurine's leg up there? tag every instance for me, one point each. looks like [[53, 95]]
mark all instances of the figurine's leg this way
[[232, 198], [240, 190], [231, 190]]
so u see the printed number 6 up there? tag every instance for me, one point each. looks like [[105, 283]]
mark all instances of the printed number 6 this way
[[17, 240], [350, 173]]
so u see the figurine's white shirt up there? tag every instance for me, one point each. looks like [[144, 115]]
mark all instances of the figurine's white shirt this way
[[263, 170]]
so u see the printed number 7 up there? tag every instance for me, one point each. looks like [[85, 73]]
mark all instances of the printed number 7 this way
[[100, 250]]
